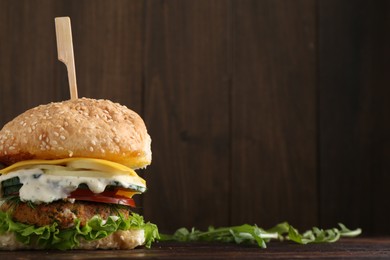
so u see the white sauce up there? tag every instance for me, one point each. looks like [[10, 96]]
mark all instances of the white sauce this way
[[39, 187]]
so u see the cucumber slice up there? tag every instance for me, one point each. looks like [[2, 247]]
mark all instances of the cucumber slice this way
[[11, 182], [11, 189], [132, 187]]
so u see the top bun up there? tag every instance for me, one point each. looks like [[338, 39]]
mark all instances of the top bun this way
[[77, 128]]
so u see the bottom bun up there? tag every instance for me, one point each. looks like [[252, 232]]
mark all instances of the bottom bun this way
[[128, 239]]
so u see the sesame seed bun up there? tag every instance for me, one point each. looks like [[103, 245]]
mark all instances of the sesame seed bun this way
[[77, 128]]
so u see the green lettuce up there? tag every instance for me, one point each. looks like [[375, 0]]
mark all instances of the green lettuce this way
[[51, 237]]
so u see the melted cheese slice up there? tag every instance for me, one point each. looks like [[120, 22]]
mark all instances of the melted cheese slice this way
[[79, 166], [83, 163]]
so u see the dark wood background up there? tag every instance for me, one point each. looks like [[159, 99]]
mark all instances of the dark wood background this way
[[260, 111]]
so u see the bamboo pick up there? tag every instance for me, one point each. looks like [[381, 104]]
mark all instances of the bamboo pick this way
[[65, 51]]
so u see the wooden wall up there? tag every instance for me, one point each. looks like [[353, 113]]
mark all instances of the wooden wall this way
[[260, 111]]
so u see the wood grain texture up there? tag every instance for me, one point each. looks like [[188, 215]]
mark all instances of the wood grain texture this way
[[274, 113], [186, 93], [354, 113], [108, 52], [380, 114], [352, 248], [28, 75]]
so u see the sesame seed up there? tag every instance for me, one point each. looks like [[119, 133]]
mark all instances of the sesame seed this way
[[40, 137], [70, 153], [29, 130], [56, 134], [93, 142], [42, 148], [116, 139], [47, 147], [60, 148], [62, 137], [24, 124], [54, 142], [66, 123], [1, 147], [91, 149], [5, 152], [47, 139]]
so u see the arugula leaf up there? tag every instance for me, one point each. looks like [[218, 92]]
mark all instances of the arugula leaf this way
[[254, 235], [238, 234], [317, 235]]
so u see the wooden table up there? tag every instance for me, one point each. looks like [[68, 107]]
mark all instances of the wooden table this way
[[357, 248]]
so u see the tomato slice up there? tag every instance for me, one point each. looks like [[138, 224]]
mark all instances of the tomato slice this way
[[109, 196]]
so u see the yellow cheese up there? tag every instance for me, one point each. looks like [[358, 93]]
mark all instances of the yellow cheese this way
[[76, 164], [128, 194]]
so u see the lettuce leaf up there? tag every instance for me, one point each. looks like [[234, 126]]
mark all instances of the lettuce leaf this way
[[51, 237]]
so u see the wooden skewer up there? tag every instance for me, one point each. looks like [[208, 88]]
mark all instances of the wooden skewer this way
[[65, 51]]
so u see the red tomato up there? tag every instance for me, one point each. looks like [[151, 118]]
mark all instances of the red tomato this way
[[104, 197]]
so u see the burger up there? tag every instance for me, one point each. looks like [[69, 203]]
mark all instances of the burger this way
[[68, 177]]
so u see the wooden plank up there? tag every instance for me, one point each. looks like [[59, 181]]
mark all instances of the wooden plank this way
[[379, 111], [186, 109], [352, 248], [108, 48], [108, 52], [274, 113], [354, 113], [27, 52]]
